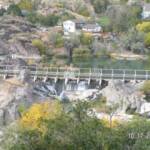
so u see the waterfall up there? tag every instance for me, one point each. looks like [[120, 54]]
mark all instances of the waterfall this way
[[71, 86], [60, 87], [82, 85]]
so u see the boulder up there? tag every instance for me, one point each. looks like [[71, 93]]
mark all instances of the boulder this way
[[127, 95], [145, 108], [89, 94]]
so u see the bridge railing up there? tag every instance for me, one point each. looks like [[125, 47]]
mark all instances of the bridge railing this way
[[93, 73]]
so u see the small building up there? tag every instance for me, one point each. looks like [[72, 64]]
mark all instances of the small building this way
[[71, 26], [93, 28], [146, 11]]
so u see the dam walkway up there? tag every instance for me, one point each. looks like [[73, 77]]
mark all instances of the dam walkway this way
[[78, 74]]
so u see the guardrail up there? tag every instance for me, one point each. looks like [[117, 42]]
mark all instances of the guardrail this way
[[77, 73]]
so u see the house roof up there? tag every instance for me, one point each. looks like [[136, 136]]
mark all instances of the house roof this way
[[75, 21], [78, 21], [91, 26], [147, 7]]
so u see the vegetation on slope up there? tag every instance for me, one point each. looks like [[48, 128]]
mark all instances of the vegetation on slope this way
[[75, 129]]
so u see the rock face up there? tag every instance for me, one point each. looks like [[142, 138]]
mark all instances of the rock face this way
[[127, 95], [13, 94], [22, 91], [16, 93], [16, 35], [89, 94]]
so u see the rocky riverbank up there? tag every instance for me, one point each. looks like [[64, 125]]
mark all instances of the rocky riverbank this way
[[20, 92]]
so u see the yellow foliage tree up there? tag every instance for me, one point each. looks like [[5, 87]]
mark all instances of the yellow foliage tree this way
[[39, 44], [114, 122], [146, 87], [147, 39], [33, 119], [144, 27]]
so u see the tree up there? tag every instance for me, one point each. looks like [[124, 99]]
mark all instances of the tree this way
[[111, 110], [2, 11], [86, 39], [14, 10], [33, 119], [81, 54], [49, 20], [56, 40], [133, 41], [146, 89], [134, 135], [144, 27], [147, 40], [32, 17], [78, 129], [72, 130], [26, 5], [123, 17], [100, 6], [39, 45], [70, 44]]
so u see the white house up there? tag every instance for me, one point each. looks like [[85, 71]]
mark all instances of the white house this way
[[93, 28], [146, 11], [69, 27]]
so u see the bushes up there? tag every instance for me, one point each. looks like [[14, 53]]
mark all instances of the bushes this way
[[14, 10], [147, 39], [81, 54], [57, 40], [144, 27], [77, 130], [2, 11], [86, 39], [49, 20], [146, 87], [100, 5], [40, 45], [26, 5], [38, 112], [83, 11], [32, 17]]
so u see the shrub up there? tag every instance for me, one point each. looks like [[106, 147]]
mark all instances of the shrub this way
[[104, 21], [32, 17], [66, 16], [57, 40], [40, 45], [146, 90], [49, 20], [86, 39], [146, 87], [2, 11], [147, 39], [83, 11], [26, 5], [14, 10], [39, 112], [100, 5], [81, 54], [144, 27]]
